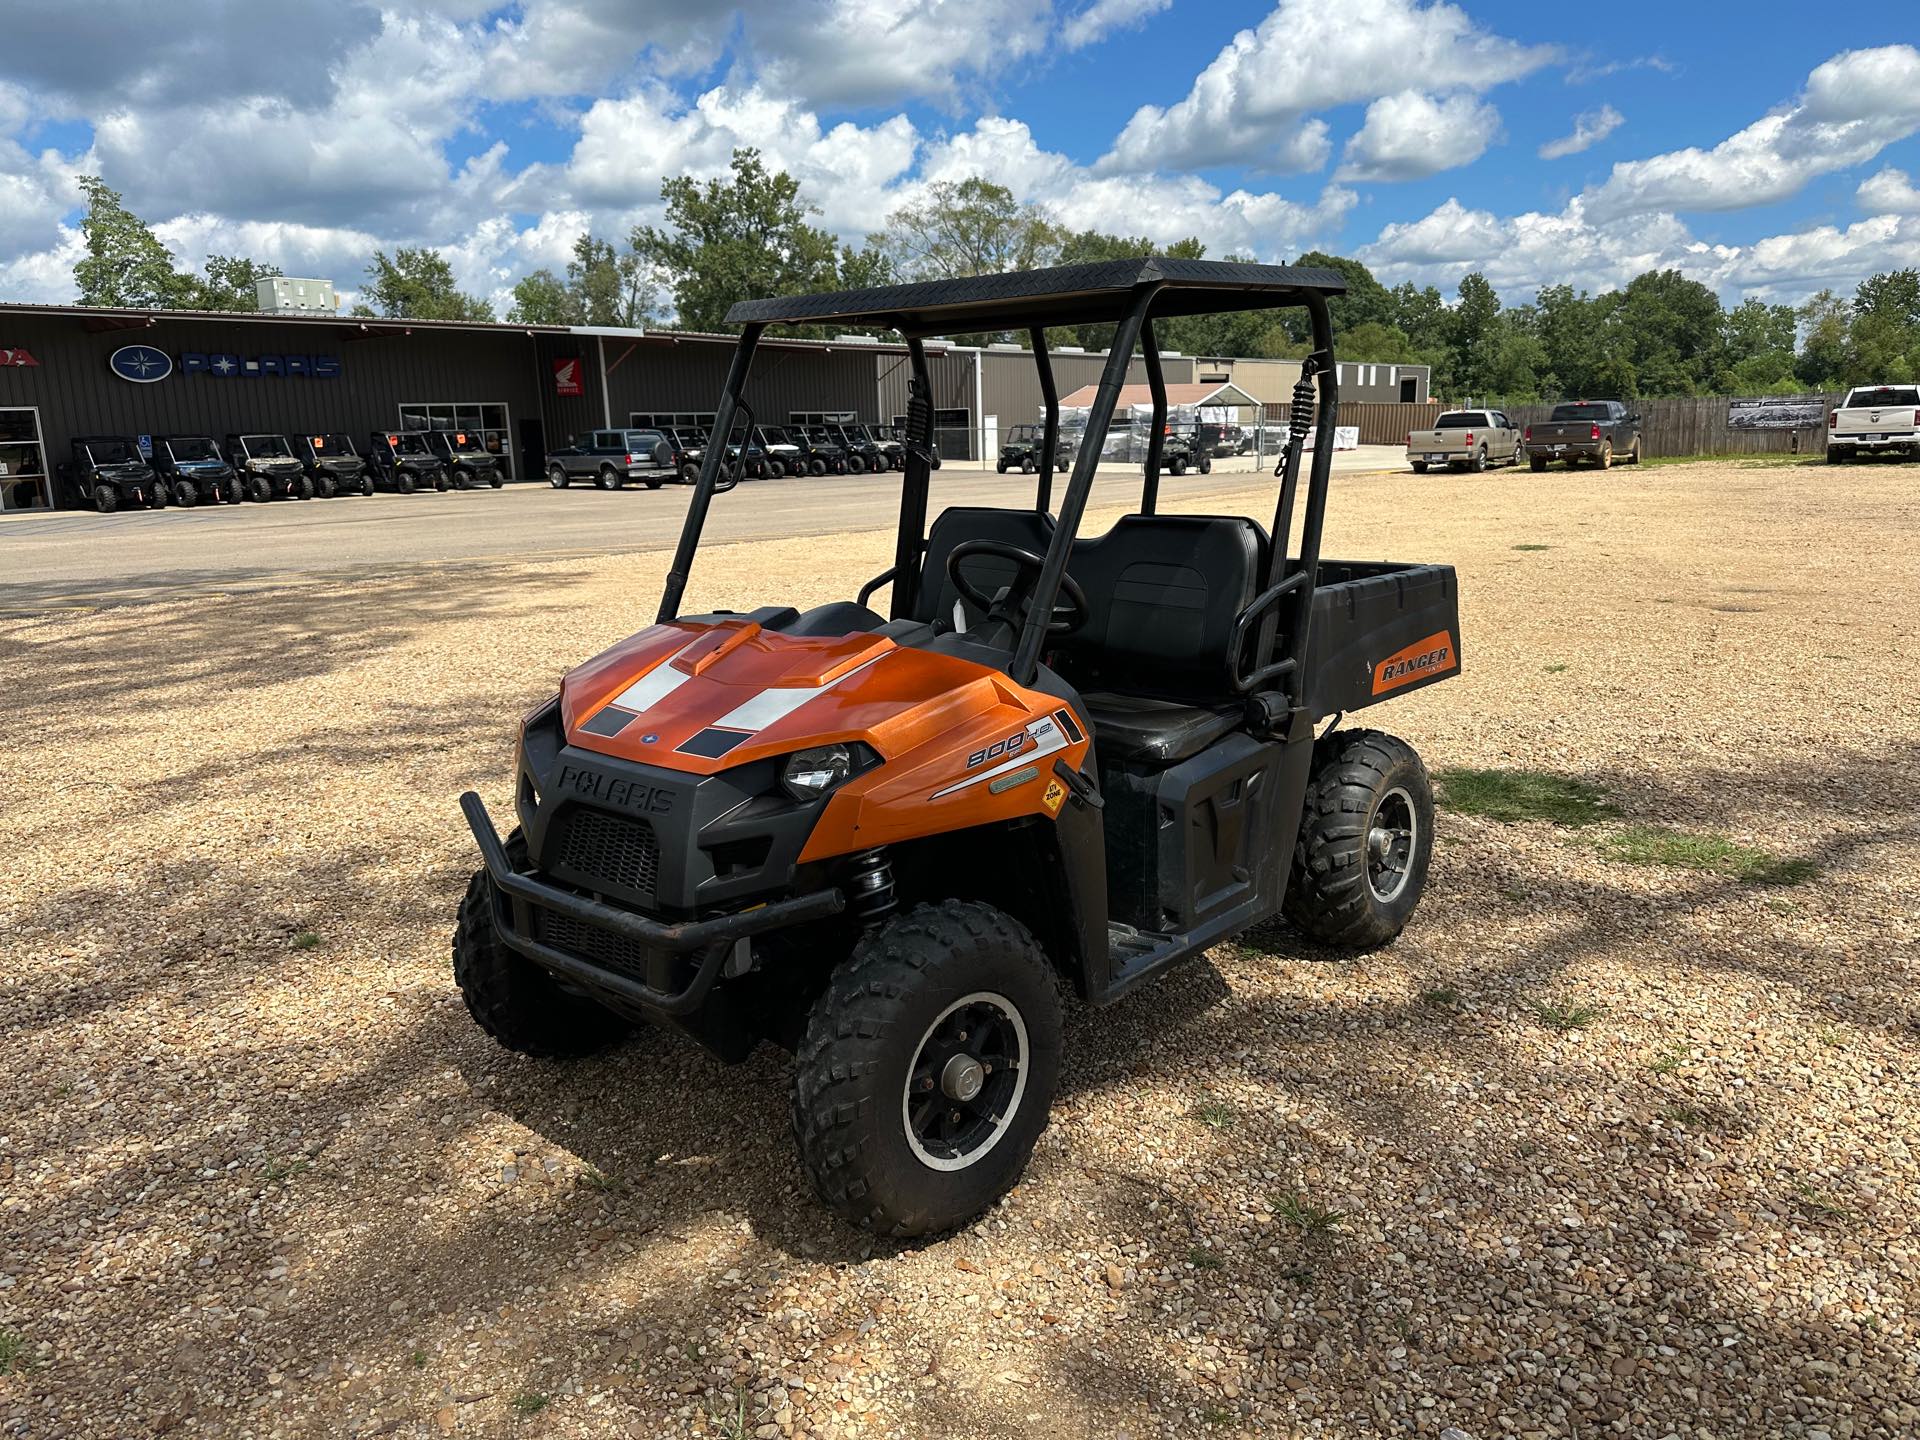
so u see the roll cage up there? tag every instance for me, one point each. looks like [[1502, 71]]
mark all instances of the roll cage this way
[[1130, 295]]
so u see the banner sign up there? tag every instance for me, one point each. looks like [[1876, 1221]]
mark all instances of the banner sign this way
[[19, 357], [566, 377], [1777, 412], [144, 365]]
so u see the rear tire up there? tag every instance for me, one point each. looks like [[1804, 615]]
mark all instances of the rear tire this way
[[366, 484], [515, 1001], [610, 478], [303, 489], [1478, 463], [1206, 464], [1419, 467], [1365, 840], [157, 495], [1537, 464], [440, 481], [955, 996], [1606, 455]]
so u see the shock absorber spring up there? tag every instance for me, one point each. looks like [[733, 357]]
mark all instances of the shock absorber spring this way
[[1306, 405], [870, 887]]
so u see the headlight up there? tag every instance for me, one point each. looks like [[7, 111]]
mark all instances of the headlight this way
[[809, 774]]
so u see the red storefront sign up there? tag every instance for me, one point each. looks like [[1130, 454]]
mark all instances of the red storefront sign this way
[[566, 377], [18, 358]]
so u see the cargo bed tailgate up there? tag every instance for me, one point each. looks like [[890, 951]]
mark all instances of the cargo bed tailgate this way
[[1380, 629]]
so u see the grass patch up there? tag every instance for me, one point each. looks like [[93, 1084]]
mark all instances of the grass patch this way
[[1509, 795], [1564, 1015], [730, 1416], [1203, 1259], [1311, 1220], [275, 1170], [1533, 547], [1817, 1204], [1217, 1115], [1683, 1115], [418, 1359], [599, 1180], [1670, 1059], [1559, 669], [13, 1353], [1442, 997], [1218, 1415], [1676, 849], [530, 1402], [306, 940]]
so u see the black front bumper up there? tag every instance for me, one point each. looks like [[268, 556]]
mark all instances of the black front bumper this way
[[664, 948]]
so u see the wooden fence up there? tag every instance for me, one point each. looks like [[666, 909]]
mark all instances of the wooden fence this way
[[1689, 425]]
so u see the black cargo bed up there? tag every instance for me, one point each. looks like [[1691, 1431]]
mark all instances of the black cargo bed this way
[[1380, 629]]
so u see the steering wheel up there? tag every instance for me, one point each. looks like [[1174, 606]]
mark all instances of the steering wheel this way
[[1012, 605]]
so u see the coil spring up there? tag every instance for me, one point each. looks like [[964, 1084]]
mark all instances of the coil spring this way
[[870, 887], [1306, 404], [920, 418]]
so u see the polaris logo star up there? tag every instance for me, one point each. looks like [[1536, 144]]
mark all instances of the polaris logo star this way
[[142, 364]]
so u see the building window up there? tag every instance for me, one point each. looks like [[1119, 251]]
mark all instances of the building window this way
[[821, 417], [1409, 390], [23, 461], [701, 420], [489, 424]]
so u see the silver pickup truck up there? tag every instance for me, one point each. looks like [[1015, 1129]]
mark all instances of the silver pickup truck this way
[[1465, 440], [610, 458], [1874, 418]]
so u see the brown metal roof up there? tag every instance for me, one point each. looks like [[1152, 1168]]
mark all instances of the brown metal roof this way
[[1197, 393]]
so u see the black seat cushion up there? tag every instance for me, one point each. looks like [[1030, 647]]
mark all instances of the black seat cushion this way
[[1163, 592], [1160, 732], [1028, 529]]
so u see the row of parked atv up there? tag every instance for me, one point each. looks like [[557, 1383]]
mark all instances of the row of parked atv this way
[[772, 451], [111, 472]]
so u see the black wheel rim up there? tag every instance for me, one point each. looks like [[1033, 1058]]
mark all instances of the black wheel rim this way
[[1391, 837], [968, 1076]]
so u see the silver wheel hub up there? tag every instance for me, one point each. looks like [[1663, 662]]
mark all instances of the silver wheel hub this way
[[962, 1078], [1392, 836]]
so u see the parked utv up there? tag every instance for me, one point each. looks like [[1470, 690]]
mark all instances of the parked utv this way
[[107, 472], [469, 464], [888, 439], [863, 451], [819, 449], [403, 462], [783, 455], [268, 468], [889, 841], [689, 449], [333, 465], [1021, 450], [192, 470], [1184, 450]]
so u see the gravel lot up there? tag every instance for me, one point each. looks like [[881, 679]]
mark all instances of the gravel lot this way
[[1618, 1149]]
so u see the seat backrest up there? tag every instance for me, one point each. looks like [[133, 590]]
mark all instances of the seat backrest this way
[[1028, 529], [1164, 592]]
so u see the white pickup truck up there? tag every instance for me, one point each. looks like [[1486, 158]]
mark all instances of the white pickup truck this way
[[1874, 418], [1465, 440]]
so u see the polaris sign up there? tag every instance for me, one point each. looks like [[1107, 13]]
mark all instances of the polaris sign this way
[[144, 365], [252, 367]]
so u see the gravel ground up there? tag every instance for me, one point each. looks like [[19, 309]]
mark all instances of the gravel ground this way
[[1616, 1150]]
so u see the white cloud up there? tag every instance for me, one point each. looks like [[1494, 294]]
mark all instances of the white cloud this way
[[1890, 191], [1252, 105], [1103, 17], [1521, 253], [1410, 135], [1589, 129], [1854, 105]]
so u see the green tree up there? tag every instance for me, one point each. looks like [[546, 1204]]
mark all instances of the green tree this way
[[1091, 247], [609, 287], [967, 227], [1471, 337], [1676, 325], [738, 239], [541, 298], [1757, 341], [229, 282], [1826, 327], [125, 263], [867, 268], [417, 284], [1367, 301]]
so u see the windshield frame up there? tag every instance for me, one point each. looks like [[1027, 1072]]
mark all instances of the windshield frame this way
[[131, 456], [212, 457]]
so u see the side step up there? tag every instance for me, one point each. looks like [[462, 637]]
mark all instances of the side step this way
[[1136, 955]]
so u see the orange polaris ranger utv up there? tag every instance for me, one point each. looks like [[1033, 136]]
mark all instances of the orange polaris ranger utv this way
[[886, 840]]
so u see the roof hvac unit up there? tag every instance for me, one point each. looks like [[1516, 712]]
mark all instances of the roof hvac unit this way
[[283, 292]]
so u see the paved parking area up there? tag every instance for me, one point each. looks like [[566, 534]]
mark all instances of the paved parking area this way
[[80, 559]]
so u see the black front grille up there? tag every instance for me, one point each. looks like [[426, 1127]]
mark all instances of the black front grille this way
[[591, 942], [611, 852]]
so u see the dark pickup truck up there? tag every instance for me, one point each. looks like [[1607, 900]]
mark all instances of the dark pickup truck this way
[[1596, 431]]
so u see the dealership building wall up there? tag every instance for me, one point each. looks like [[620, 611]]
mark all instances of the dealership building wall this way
[[523, 388]]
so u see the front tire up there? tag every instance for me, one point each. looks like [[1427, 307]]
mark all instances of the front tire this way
[[556, 477], [1633, 455], [1366, 837], [106, 499], [404, 483], [185, 495], [515, 1001], [950, 1010]]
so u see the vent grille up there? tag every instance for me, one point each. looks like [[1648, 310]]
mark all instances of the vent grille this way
[[611, 853], [603, 947]]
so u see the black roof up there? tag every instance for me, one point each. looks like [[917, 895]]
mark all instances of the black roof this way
[[1064, 295]]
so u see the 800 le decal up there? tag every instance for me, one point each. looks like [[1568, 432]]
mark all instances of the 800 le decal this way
[[1421, 660], [1041, 737]]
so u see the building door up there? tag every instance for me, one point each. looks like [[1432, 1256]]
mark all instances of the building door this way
[[25, 478], [1409, 391], [533, 448], [489, 424]]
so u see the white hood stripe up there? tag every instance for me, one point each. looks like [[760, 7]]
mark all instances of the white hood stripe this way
[[772, 706], [654, 686]]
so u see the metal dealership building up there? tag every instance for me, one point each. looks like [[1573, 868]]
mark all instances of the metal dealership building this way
[[67, 371]]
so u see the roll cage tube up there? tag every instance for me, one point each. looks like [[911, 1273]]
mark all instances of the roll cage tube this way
[[910, 543], [1046, 590], [710, 465], [1308, 565], [1050, 441], [1157, 441]]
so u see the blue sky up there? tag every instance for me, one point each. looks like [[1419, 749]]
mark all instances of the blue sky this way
[[1736, 143]]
